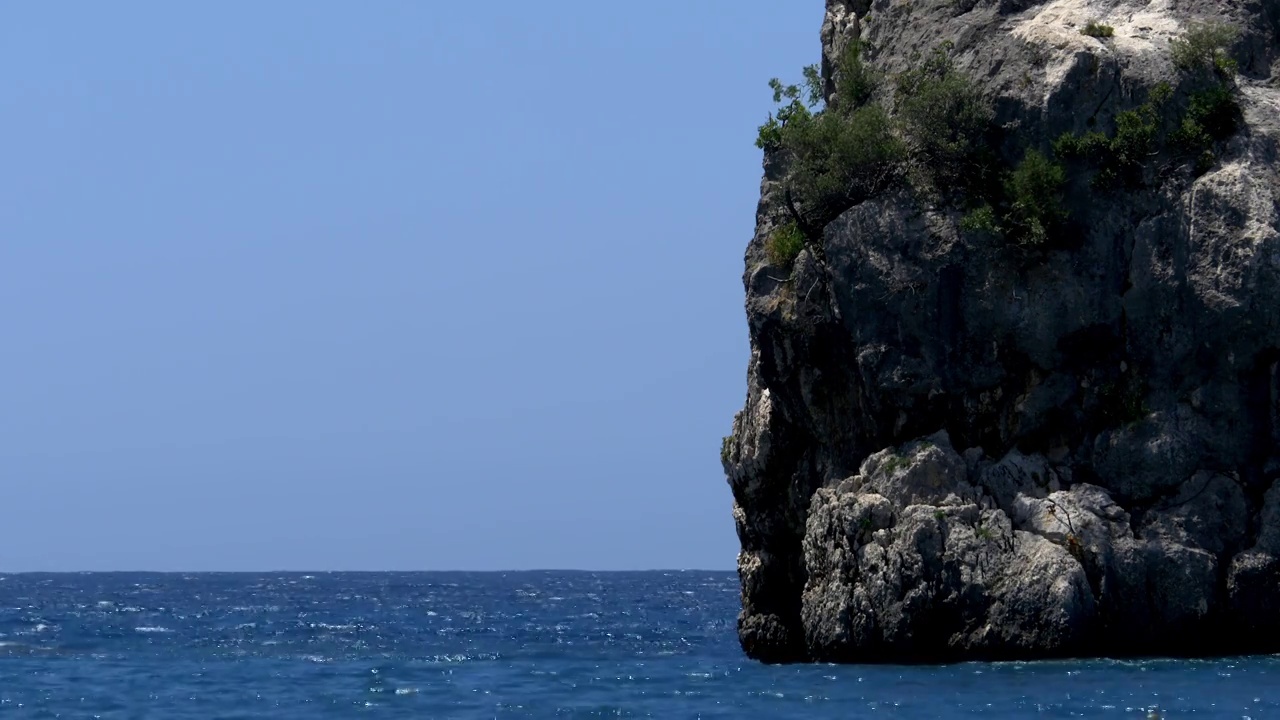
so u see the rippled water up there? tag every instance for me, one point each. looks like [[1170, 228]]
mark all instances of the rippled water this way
[[385, 645]]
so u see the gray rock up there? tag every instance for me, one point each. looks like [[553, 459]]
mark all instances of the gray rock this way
[[954, 448], [1210, 512], [1269, 522], [1016, 474], [1253, 590], [904, 562]]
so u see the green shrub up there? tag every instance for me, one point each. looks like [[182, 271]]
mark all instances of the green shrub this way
[[770, 134], [784, 244], [1216, 110], [855, 81], [726, 448], [1159, 95], [1120, 157], [1137, 130], [1205, 45], [843, 149], [1212, 115], [981, 219], [1192, 137], [943, 120], [1030, 201], [1034, 189], [1090, 146], [839, 154], [895, 463], [796, 104], [1098, 30], [1135, 137], [839, 160]]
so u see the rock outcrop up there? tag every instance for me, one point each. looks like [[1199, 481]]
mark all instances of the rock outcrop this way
[[954, 448]]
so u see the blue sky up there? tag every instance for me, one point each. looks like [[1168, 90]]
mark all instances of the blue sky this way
[[388, 285]]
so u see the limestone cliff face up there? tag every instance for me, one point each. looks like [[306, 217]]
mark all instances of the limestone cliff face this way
[[953, 449]]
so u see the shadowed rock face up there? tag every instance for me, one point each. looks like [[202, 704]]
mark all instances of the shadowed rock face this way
[[951, 449]]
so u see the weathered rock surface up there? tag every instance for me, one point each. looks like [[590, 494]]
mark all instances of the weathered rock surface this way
[[951, 450]]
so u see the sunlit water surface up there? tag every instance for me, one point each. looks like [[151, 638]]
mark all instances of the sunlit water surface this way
[[553, 644]]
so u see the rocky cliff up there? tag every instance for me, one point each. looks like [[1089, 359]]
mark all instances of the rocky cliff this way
[[960, 443]]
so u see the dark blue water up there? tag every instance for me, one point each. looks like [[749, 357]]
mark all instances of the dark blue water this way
[[508, 645]]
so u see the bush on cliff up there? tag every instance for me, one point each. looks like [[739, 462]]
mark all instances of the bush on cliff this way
[[1030, 205], [1206, 45], [846, 148], [943, 120], [854, 83], [1035, 196], [935, 131], [1098, 30], [1213, 113], [1121, 157], [838, 152], [1215, 110], [839, 161], [784, 244], [800, 103]]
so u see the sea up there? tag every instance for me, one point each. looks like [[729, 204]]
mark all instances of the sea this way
[[511, 645]]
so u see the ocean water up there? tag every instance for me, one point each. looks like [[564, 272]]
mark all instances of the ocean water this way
[[475, 645]]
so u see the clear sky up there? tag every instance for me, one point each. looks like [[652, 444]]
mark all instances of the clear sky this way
[[406, 284]]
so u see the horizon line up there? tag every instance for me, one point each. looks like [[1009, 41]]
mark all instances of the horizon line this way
[[7, 573]]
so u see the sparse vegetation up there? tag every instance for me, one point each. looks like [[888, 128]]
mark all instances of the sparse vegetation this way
[[796, 103], [1212, 115], [1090, 145], [784, 244], [843, 149], [839, 160], [1215, 110], [934, 129], [1030, 206], [726, 447], [1127, 399], [1120, 158], [981, 219], [855, 81], [1098, 30], [1034, 190], [894, 464], [943, 120], [839, 151], [1206, 46]]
